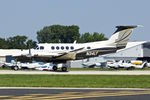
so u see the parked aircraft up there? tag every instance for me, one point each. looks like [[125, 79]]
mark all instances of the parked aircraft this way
[[89, 64], [62, 52], [34, 65], [46, 67], [126, 64], [130, 65]]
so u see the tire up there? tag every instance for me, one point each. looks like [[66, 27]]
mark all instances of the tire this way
[[64, 69], [54, 68], [4, 66], [16, 68]]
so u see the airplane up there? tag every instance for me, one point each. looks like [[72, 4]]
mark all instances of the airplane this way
[[127, 64], [62, 52]]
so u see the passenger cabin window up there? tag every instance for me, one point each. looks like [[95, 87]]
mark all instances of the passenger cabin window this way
[[62, 47], [57, 47], [88, 47], [67, 47], [72, 47], [52, 47], [41, 48], [37, 48]]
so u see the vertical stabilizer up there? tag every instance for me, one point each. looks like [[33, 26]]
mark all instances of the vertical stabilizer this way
[[121, 36]]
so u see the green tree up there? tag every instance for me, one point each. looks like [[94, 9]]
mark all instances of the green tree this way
[[30, 44], [98, 36], [58, 33], [87, 37], [17, 42], [3, 44]]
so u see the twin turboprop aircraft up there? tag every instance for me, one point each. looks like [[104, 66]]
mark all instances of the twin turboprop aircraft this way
[[62, 52]]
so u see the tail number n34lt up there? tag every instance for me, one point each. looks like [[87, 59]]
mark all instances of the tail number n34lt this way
[[91, 53]]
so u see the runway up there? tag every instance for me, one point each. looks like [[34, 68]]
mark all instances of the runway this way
[[73, 94], [37, 93], [116, 72]]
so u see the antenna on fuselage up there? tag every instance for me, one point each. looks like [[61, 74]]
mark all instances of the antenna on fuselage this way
[[75, 42]]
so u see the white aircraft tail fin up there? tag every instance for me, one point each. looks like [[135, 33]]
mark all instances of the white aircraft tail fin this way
[[121, 36], [144, 64], [75, 42]]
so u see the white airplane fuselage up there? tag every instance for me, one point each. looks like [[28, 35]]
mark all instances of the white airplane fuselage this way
[[89, 49], [67, 47], [73, 51]]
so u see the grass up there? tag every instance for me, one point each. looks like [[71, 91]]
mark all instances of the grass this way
[[95, 81]]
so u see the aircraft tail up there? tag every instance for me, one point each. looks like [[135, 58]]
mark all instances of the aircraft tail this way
[[121, 36], [144, 64]]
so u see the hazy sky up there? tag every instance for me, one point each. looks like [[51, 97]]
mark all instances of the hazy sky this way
[[26, 17]]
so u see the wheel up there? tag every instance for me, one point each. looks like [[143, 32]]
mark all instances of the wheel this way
[[4, 66], [64, 69], [54, 68], [16, 68]]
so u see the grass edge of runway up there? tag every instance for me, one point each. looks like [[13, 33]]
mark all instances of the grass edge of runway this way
[[82, 81]]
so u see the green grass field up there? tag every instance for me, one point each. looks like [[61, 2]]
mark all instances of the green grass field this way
[[95, 81]]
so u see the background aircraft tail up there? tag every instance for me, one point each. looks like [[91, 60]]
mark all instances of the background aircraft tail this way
[[121, 36]]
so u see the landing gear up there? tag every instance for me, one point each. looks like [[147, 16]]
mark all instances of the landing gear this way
[[55, 68], [61, 66], [16, 68], [64, 69]]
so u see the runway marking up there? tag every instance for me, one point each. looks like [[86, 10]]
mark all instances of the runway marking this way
[[92, 94], [73, 95]]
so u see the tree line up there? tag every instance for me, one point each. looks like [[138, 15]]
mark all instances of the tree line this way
[[17, 42], [51, 34]]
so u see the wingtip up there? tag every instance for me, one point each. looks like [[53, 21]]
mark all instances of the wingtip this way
[[140, 26]]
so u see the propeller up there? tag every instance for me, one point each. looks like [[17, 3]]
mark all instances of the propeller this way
[[29, 52], [29, 55]]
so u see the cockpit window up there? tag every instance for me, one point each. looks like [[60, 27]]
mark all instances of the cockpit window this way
[[41, 48], [37, 48]]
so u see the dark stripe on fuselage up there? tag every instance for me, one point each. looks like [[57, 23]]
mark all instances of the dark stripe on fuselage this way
[[77, 49], [68, 52], [106, 48], [95, 52]]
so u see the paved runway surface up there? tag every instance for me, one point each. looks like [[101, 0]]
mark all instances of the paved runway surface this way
[[117, 72], [73, 94]]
